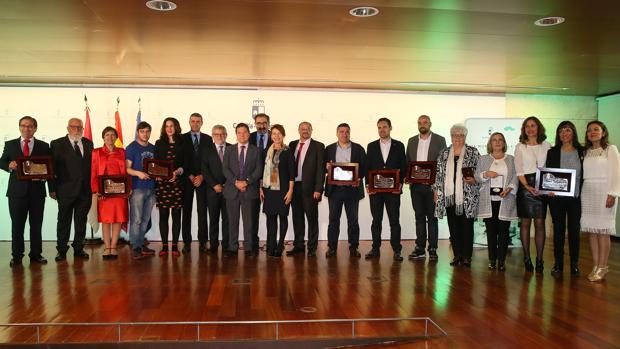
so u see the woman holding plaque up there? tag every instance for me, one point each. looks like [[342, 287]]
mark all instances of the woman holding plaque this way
[[567, 153], [111, 211], [457, 194], [276, 189], [601, 187], [169, 192], [531, 154], [498, 204]]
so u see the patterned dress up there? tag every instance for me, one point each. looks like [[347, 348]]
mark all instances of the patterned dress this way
[[601, 174], [169, 194]]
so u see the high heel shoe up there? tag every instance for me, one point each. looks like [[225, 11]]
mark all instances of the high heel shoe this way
[[540, 267], [175, 250], [113, 254], [600, 274], [529, 267], [593, 272], [107, 256]]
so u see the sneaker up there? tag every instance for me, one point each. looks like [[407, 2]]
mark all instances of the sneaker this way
[[432, 255], [137, 253], [417, 254], [147, 251]]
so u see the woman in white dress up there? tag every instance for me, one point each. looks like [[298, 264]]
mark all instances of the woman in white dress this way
[[601, 187]]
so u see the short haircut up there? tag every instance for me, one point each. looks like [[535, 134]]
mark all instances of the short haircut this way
[[34, 121], [279, 128], [541, 136], [219, 127], [458, 129], [142, 125], [423, 116], [262, 115], [386, 120], [305, 123], [196, 115], [344, 124], [109, 129], [489, 143], [242, 124], [604, 139], [571, 126]]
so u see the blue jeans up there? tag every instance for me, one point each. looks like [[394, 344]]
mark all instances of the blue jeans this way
[[141, 204]]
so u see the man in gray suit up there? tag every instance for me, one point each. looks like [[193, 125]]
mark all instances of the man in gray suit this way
[[426, 146], [243, 169]]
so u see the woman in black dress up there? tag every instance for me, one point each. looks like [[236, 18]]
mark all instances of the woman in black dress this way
[[276, 190], [169, 193]]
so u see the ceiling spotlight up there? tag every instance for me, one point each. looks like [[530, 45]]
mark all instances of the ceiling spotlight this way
[[549, 21], [364, 11], [161, 5]]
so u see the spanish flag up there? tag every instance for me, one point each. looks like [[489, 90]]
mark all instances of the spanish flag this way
[[119, 129]]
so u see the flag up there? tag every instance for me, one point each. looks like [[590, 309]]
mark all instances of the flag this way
[[88, 132], [119, 129], [92, 214], [138, 121]]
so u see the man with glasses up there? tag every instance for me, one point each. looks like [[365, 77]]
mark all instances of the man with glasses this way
[[261, 138], [26, 197], [72, 156]]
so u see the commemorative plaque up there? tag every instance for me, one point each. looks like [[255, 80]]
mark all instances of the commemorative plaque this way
[[384, 181], [468, 172], [114, 186], [158, 168], [35, 168], [421, 172], [559, 181], [342, 173]]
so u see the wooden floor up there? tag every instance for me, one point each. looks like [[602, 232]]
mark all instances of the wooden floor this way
[[477, 307]]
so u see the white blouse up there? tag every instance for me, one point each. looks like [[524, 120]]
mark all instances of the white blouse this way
[[528, 158], [603, 165]]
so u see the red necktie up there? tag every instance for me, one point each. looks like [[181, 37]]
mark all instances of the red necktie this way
[[301, 145], [26, 147]]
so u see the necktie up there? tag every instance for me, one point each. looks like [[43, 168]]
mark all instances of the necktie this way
[[76, 147], [26, 147], [297, 158], [242, 163], [260, 142], [195, 143], [220, 152]]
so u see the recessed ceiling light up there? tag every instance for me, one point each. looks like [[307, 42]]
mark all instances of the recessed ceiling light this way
[[364, 11], [161, 5], [549, 21]]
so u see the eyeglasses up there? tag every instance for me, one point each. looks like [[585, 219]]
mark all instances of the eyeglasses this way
[[79, 128], [26, 126], [218, 134]]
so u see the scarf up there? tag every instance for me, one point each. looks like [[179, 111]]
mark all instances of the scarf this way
[[454, 196], [271, 174]]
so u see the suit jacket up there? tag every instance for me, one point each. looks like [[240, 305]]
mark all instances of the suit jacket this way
[[72, 173], [193, 159], [253, 140], [13, 150], [396, 157], [358, 155], [253, 172], [212, 167], [438, 143], [313, 167]]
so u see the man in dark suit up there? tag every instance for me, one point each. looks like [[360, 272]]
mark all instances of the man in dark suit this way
[[72, 156], [214, 177], [261, 138], [424, 147], [386, 153], [194, 181], [26, 198], [243, 170], [309, 178], [348, 196]]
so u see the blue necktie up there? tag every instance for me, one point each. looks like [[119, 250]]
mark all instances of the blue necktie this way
[[242, 163], [260, 142], [195, 143]]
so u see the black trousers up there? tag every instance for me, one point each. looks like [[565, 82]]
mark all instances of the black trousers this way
[[347, 197], [272, 232], [77, 209], [164, 215], [391, 202], [217, 209], [21, 208], [563, 210], [497, 234], [424, 207], [255, 219], [461, 233], [201, 209], [305, 207]]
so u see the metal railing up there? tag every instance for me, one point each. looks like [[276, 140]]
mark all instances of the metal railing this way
[[277, 324]]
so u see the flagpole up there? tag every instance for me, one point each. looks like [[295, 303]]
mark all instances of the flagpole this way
[[93, 241]]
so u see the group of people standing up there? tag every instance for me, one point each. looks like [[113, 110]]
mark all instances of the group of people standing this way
[[230, 180]]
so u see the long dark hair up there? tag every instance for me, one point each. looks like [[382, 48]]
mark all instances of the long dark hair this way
[[177, 130], [540, 137], [604, 139], [567, 124]]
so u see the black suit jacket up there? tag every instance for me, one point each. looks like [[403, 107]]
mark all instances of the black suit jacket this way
[[313, 167], [396, 157], [193, 165], [357, 155], [180, 154], [13, 150], [212, 167], [72, 173], [253, 140]]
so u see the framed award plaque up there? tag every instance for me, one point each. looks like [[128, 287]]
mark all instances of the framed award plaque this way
[[35, 168], [421, 172], [157, 168], [384, 181], [559, 181], [342, 173], [115, 186]]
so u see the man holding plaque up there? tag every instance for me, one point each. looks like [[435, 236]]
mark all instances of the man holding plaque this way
[[26, 197], [142, 199], [344, 152], [72, 156], [385, 154], [426, 146]]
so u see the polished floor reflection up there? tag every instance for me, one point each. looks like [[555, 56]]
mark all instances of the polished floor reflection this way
[[478, 308]]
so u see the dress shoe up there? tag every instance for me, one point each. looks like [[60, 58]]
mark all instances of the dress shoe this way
[[492, 264], [81, 254], [249, 253], [557, 270], [467, 262], [432, 255], [277, 254], [312, 253], [529, 267], [417, 254], [372, 254], [202, 248], [295, 251], [574, 270], [330, 253], [15, 262], [540, 266], [187, 248], [230, 253], [501, 266], [38, 259], [354, 252], [456, 261], [147, 251], [60, 257], [397, 257], [136, 253]]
